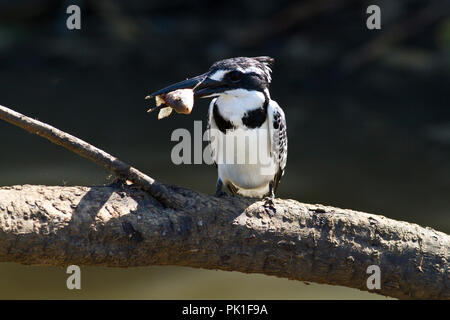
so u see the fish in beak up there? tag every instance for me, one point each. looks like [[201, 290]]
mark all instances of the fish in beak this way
[[202, 86]]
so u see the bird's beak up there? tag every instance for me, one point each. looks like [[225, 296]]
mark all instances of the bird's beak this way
[[202, 85]]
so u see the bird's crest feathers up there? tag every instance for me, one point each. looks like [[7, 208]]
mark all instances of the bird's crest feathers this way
[[263, 63]]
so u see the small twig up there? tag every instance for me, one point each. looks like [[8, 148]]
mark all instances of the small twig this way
[[88, 151]]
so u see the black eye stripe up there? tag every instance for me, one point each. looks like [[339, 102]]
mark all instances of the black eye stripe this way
[[250, 80], [235, 75]]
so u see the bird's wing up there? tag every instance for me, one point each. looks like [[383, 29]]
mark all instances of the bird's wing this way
[[278, 138], [211, 129]]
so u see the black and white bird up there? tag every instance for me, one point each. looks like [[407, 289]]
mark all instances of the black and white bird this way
[[242, 108]]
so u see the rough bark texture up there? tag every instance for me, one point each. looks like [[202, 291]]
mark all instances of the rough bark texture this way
[[120, 226]]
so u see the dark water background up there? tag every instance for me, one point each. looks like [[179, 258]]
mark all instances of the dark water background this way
[[367, 131]]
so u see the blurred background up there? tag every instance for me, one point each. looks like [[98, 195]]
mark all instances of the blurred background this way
[[368, 114]]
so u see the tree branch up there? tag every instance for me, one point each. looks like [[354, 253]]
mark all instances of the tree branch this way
[[123, 226]]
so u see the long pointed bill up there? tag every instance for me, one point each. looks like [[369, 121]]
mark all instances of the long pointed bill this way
[[201, 85]]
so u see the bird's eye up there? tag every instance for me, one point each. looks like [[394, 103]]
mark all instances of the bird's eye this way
[[234, 76]]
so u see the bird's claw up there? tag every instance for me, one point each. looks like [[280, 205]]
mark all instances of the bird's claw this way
[[221, 194], [118, 182], [268, 201]]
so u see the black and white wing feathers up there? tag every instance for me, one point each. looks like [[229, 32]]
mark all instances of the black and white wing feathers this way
[[278, 138], [211, 129]]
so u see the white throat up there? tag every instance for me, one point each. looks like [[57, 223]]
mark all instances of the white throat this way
[[234, 104]]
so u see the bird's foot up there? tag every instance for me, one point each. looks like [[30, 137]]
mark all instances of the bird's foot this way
[[221, 194], [269, 206], [119, 182], [268, 200]]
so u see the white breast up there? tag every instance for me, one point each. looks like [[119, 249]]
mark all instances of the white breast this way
[[243, 156], [234, 104]]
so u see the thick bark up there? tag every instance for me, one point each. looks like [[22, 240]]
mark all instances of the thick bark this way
[[120, 226]]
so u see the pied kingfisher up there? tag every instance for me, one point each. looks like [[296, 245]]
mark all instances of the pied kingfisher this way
[[242, 107]]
